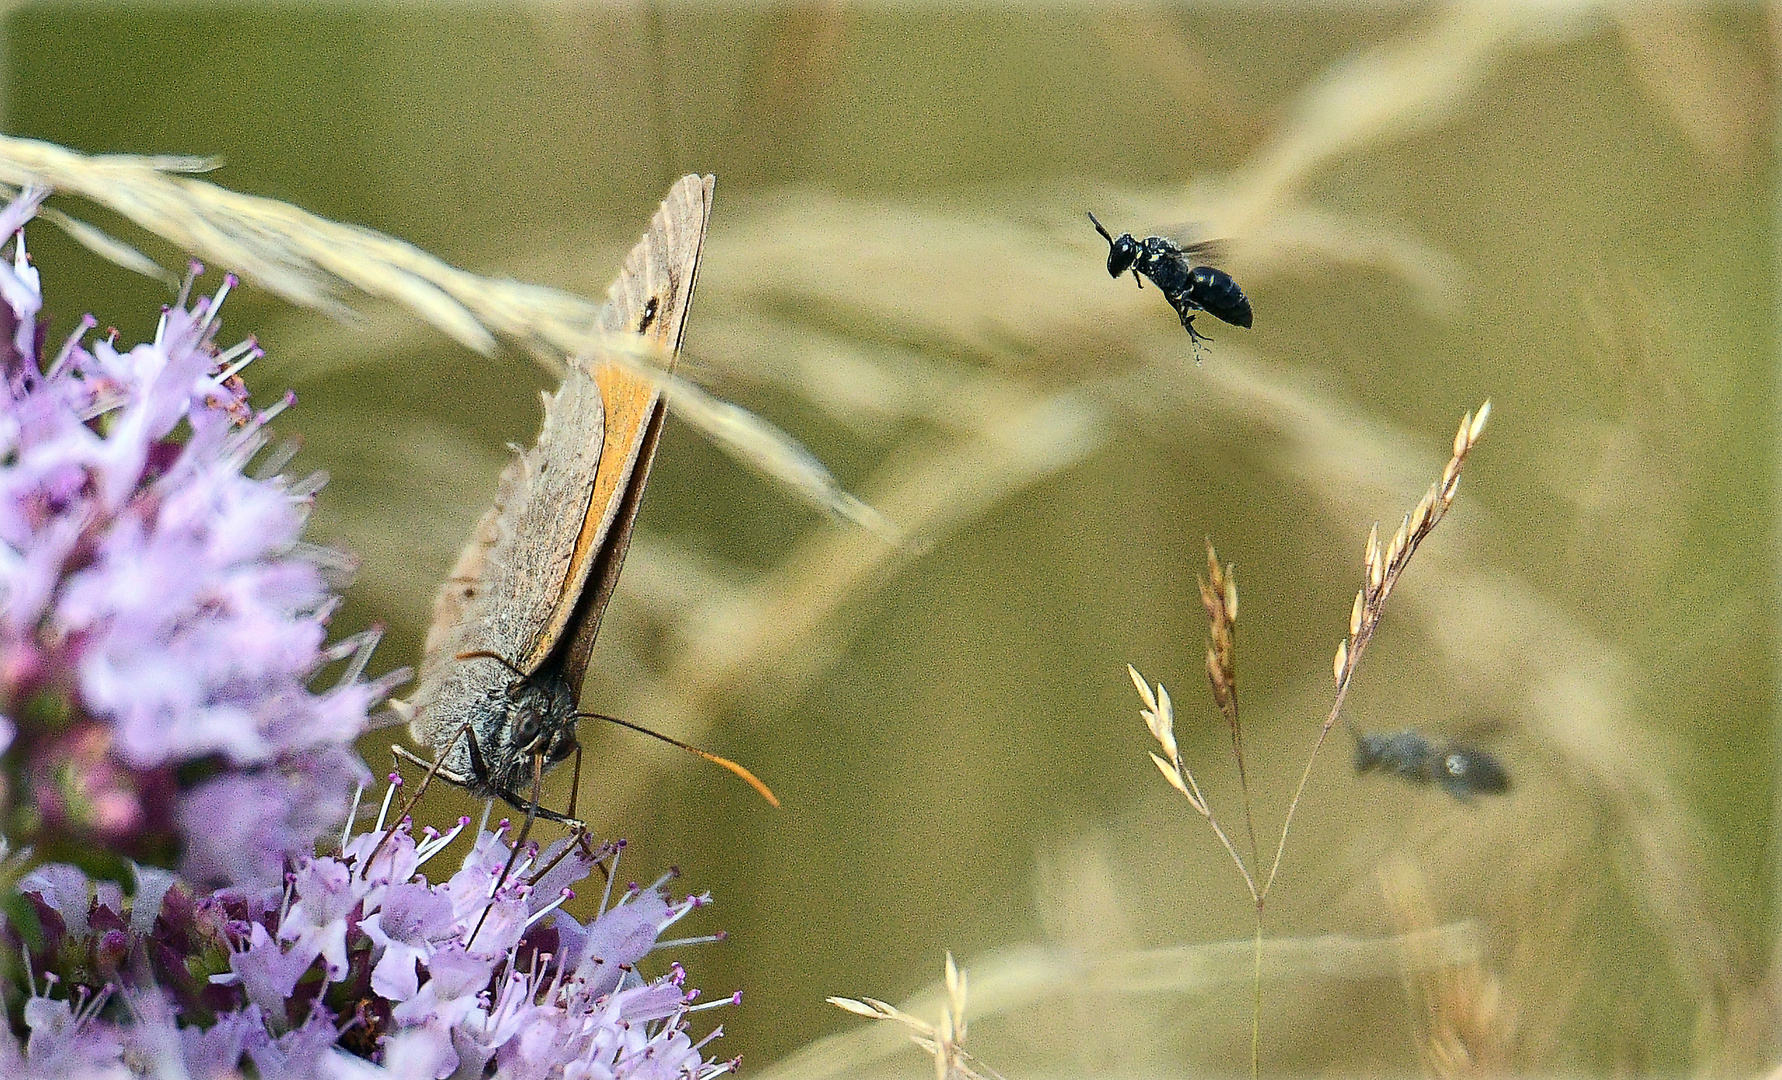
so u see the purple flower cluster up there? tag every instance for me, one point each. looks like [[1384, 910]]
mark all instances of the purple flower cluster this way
[[166, 772], [360, 967], [159, 620]]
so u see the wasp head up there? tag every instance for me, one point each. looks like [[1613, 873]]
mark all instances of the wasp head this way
[[1122, 253]]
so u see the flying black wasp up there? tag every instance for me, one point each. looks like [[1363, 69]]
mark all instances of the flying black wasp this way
[[1456, 768], [1187, 287]]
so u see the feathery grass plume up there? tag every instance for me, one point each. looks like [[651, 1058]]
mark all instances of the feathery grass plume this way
[[310, 260], [1463, 1028], [1380, 572], [1218, 595], [944, 1041], [1028, 987], [1160, 718]]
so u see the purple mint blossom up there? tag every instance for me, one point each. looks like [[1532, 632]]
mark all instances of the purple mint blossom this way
[[409, 927], [65, 1041], [161, 626], [625, 935], [216, 1051], [361, 976], [156, 1044], [304, 1053], [327, 892], [239, 826], [456, 980], [160, 623], [266, 972]]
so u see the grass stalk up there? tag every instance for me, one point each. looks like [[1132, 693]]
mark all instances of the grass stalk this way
[[1381, 569]]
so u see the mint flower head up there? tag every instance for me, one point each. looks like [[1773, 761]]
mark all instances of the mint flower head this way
[[161, 623], [360, 967], [176, 762]]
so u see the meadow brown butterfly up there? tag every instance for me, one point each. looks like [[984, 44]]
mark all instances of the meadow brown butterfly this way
[[514, 624]]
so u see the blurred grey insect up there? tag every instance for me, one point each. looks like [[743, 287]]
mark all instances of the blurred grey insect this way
[[1460, 770]]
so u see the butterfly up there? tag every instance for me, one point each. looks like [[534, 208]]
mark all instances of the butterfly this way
[[514, 625]]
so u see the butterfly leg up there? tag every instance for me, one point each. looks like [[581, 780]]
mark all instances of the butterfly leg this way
[[519, 842], [520, 802], [575, 781], [478, 780], [434, 768]]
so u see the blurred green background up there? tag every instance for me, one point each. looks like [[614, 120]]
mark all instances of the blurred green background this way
[[1570, 211]]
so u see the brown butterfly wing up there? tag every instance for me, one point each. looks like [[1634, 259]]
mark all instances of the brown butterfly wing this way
[[540, 565], [652, 296]]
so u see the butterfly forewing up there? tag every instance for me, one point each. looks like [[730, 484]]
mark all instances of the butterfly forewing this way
[[651, 297], [528, 590]]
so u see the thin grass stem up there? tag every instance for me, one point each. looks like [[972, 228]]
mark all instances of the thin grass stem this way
[[1256, 999]]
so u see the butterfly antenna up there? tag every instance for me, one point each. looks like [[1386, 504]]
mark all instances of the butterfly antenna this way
[[742, 773]]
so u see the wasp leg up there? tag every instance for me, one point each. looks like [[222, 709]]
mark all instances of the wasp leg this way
[[1194, 336]]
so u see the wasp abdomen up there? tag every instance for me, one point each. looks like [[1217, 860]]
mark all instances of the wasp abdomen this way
[[1219, 295]]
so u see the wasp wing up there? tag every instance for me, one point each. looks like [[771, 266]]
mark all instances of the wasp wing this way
[[1201, 252]]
